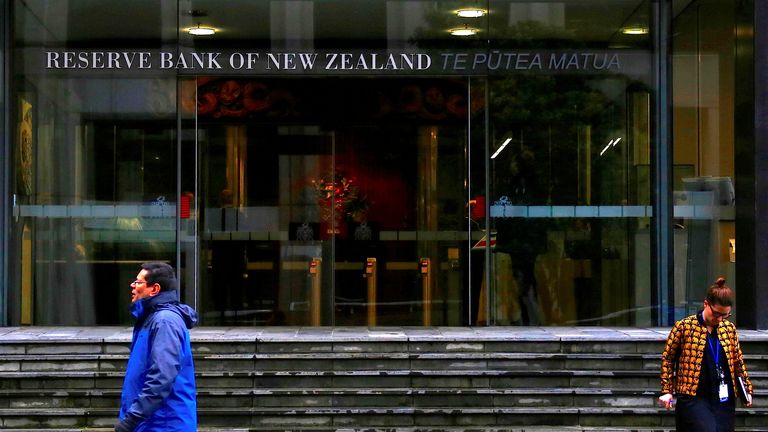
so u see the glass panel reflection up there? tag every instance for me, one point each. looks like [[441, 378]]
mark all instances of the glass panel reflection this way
[[94, 179], [332, 201], [569, 202], [513, 188], [569, 166], [704, 153]]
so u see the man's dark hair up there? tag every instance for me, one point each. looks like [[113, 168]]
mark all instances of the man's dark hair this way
[[160, 273], [720, 293]]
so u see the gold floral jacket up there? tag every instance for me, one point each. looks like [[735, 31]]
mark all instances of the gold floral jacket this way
[[683, 354]]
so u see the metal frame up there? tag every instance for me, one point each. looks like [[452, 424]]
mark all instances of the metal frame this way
[[661, 237], [5, 140], [751, 132]]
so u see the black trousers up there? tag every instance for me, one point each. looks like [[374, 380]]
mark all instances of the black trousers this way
[[695, 414]]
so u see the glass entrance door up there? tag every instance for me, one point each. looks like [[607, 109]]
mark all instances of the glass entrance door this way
[[326, 201]]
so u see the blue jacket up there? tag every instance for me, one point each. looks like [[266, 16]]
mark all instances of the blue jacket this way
[[159, 388]]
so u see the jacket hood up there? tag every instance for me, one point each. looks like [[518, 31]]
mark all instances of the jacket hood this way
[[166, 300], [186, 312]]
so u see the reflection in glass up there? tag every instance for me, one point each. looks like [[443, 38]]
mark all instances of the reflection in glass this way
[[94, 173], [340, 200], [332, 201], [565, 202], [704, 152]]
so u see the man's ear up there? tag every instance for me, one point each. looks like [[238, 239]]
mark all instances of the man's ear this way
[[154, 290]]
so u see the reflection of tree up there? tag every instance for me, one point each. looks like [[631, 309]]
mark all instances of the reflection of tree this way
[[494, 27], [536, 100], [556, 122], [550, 119], [543, 111], [548, 115], [530, 34], [564, 120]]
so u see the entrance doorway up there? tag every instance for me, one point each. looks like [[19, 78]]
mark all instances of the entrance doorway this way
[[326, 201]]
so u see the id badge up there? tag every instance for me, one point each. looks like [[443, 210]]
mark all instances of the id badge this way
[[723, 392]]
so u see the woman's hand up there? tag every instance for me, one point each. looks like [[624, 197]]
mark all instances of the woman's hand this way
[[666, 401]]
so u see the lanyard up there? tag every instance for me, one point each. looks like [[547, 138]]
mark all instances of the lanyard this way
[[714, 347]]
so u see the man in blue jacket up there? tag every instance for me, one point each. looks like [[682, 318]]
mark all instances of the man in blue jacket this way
[[159, 388]]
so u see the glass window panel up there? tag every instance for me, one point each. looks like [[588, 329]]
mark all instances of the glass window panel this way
[[512, 189], [94, 178], [570, 168], [329, 174], [703, 112], [347, 192]]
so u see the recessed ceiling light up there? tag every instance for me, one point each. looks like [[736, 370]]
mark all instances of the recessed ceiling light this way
[[463, 31], [635, 30], [471, 12], [201, 31]]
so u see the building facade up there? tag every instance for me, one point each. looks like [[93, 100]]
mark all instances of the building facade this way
[[383, 162]]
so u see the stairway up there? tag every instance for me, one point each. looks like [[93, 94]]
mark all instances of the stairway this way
[[388, 379]]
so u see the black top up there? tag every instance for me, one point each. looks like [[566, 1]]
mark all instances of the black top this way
[[709, 382]]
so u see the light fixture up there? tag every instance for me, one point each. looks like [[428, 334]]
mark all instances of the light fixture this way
[[501, 147], [201, 31], [463, 31], [471, 12], [635, 30]]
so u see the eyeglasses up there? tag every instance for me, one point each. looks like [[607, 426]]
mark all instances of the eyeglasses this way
[[719, 314], [138, 282]]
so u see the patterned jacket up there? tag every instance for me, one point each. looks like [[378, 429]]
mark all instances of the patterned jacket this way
[[684, 352]]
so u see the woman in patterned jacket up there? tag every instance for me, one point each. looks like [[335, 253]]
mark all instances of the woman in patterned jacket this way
[[700, 366]]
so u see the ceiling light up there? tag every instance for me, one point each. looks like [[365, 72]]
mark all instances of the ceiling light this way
[[635, 30], [471, 12], [463, 31], [201, 31]]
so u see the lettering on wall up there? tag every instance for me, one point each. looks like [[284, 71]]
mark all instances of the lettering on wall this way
[[340, 62]]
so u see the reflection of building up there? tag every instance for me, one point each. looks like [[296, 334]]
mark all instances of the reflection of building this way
[[108, 123]]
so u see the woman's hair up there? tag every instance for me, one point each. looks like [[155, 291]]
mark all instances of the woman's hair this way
[[720, 293]]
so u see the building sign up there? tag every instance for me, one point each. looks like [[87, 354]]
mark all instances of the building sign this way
[[344, 62]]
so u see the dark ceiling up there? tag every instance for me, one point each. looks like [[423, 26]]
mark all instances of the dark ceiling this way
[[102, 22]]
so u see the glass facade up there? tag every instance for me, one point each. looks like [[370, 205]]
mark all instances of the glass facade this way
[[704, 150], [362, 163]]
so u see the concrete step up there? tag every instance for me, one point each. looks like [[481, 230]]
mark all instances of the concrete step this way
[[206, 347], [290, 418], [362, 378], [360, 361], [460, 379], [408, 379], [414, 429], [356, 397]]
